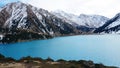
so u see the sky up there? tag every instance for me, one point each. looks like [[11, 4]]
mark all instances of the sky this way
[[106, 8]]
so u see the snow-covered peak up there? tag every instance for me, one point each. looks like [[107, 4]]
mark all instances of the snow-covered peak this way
[[92, 21], [68, 17], [15, 5], [65, 14], [40, 10], [17, 12]]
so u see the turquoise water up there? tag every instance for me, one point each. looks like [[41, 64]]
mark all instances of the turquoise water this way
[[98, 48]]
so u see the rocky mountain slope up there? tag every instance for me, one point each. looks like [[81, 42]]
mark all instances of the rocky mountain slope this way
[[19, 18], [111, 26]]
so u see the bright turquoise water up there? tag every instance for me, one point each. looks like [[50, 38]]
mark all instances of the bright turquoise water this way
[[98, 48]]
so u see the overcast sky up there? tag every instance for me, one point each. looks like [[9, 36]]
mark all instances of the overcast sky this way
[[106, 8]]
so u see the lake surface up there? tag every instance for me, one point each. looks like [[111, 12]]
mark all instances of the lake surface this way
[[98, 48]]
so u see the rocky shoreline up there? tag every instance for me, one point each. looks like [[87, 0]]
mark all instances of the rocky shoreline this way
[[30, 62]]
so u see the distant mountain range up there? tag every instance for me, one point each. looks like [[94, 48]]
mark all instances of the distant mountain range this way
[[91, 21], [85, 23], [20, 21]]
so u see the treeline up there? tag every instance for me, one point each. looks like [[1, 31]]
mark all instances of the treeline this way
[[11, 36]]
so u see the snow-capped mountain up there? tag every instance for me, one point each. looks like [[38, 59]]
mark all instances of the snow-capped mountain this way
[[111, 26], [18, 15], [26, 21], [69, 18], [91, 21]]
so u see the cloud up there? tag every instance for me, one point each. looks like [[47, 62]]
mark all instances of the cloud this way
[[102, 7]]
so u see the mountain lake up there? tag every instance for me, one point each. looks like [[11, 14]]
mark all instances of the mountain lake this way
[[103, 49]]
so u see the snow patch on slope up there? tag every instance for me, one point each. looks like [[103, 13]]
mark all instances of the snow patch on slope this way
[[36, 11], [18, 13], [115, 23]]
